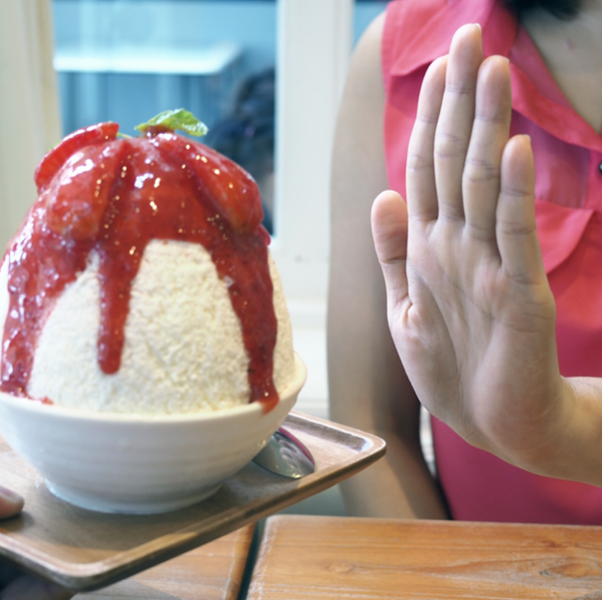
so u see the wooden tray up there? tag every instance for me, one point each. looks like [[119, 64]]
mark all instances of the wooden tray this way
[[85, 550]]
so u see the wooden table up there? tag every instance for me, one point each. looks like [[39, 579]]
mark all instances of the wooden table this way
[[335, 557], [211, 572]]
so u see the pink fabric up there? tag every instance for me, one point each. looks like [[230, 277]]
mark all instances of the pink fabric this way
[[568, 155]]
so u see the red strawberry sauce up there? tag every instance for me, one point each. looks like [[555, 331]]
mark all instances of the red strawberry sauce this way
[[98, 192]]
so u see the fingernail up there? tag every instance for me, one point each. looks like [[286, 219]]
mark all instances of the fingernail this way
[[10, 496]]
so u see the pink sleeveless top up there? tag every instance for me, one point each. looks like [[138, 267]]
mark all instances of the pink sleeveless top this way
[[568, 162]]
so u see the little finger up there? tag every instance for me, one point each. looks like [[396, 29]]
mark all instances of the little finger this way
[[516, 227]]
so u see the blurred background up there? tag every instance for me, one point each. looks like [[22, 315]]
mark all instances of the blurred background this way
[[120, 59]]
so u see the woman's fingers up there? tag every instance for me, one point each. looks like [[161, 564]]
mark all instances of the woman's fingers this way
[[10, 503], [390, 233], [420, 170], [461, 128], [516, 229], [462, 168], [481, 177], [456, 119]]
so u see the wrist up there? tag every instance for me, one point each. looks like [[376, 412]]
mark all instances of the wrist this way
[[567, 442], [542, 436]]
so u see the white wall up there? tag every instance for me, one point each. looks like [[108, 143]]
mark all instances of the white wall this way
[[29, 114], [314, 46]]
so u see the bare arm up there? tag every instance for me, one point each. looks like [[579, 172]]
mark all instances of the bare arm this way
[[368, 387], [470, 307]]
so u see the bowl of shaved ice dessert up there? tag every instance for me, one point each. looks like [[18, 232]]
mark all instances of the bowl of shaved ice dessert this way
[[147, 350]]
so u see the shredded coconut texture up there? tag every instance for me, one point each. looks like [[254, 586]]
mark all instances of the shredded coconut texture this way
[[183, 349]]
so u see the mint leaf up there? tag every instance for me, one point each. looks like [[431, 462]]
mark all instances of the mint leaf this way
[[176, 119]]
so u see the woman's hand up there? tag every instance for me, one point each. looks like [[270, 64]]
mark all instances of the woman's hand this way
[[14, 583], [469, 304], [10, 503]]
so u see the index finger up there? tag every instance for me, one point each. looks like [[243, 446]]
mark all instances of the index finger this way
[[420, 168]]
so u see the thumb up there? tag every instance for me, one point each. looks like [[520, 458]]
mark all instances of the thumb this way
[[390, 234], [10, 503]]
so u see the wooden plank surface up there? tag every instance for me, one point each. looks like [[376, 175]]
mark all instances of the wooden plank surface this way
[[321, 558], [212, 572], [85, 550]]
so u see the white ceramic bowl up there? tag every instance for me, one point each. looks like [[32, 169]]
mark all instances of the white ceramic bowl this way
[[132, 464]]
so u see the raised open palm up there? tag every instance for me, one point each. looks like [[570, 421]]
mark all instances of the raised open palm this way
[[469, 304]]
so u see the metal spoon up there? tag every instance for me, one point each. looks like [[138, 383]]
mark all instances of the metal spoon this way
[[285, 455]]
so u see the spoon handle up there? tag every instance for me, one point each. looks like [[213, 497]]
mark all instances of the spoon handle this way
[[285, 455]]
